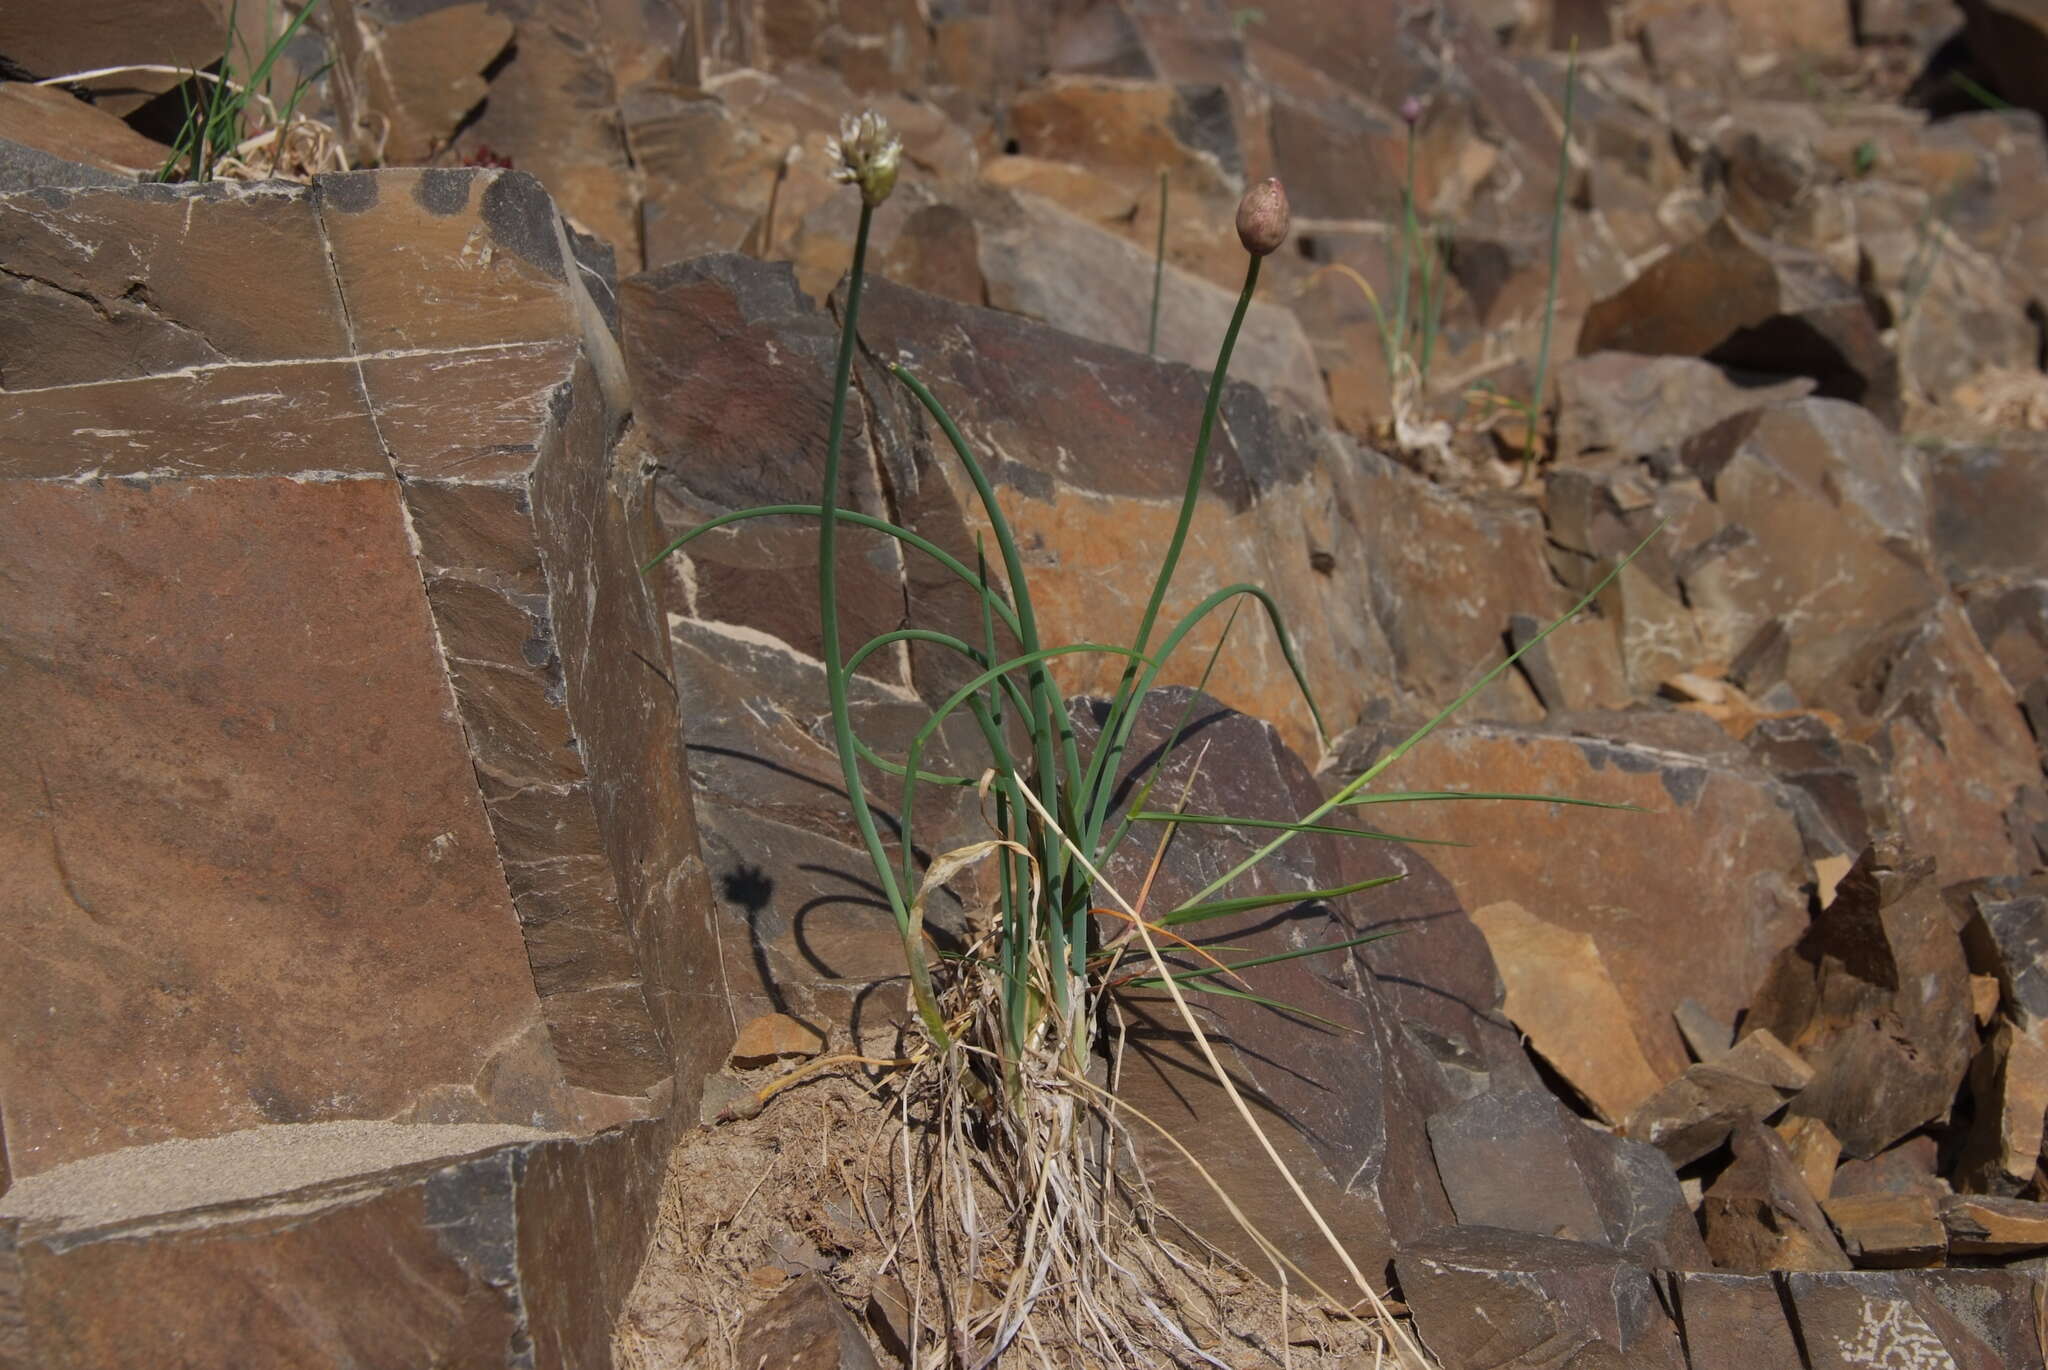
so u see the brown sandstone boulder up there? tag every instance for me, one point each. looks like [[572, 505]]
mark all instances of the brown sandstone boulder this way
[[449, 790]]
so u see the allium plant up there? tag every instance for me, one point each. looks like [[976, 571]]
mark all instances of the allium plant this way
[[1012, 1028]]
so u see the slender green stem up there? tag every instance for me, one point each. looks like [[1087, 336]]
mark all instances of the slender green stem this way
[[835, 670], [1158, 271], [1102, 767]]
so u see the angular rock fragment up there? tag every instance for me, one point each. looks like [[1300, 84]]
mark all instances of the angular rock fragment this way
[[773, 1037], [1876, 996], [1815, 1150], [1851, 1321], [1987, 501], [2009, 1080], [1888, 1231], [2008, 938], [805, 1327], [415, 78], [1759, 1215], [1347, 1112], [376, 1243], [1567, 1179], [1732, 1322], [56, 122], [1981, 1225], [1483, 1296], [1560, 995], [1705, 1035], [1909, 1168], [1650, 407], [1696, 1112], [1756, 305], [1622, 878]]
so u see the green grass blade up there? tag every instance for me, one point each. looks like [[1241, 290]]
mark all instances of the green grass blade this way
[[1290, 826], [1224, 991], [1223, 908], [1183, 977], [1436, 796], [1158, 271]]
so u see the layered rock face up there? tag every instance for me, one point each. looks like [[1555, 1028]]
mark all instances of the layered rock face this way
[[357, 919]]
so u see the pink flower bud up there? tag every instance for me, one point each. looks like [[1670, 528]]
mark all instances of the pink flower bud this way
[[1411, 110], [1262, 217]]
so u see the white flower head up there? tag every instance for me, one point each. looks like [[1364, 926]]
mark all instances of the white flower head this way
[[868, 154]]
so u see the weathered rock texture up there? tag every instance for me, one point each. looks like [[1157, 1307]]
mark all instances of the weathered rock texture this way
[[355, 790]]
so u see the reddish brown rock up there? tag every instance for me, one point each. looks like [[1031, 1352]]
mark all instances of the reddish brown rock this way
[[1986, 1226], [333, 1243], [1636, 406], [1353, 1107], [1908, 1168], [772, 1037], [1616, 876], [57, 122], [804, 1328], [2006, 940], [1758, 306], [1046, 264], [1851, 1320], [109, 33], [1759, 1215], [1888, 1231], [2009, 1081], [1695, 1113], [1567, 1180], [1483, 1296], [1561, 997], [1815, 1150], [414, 79], [535, 968], [1876, 996], [1732, 1322]]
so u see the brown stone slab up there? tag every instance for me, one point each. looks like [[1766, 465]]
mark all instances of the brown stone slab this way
[[471, 415], [1759, 1215], [1633, 882], [1888, 1231], [366, 1243], [1980, 1225], [1876, 997], [1482, 1296], [112, 284], [1560, 994], [235, 823], [446, 258], [1732, 1322], [271, 420], [1852, 1320], [58, 122]]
